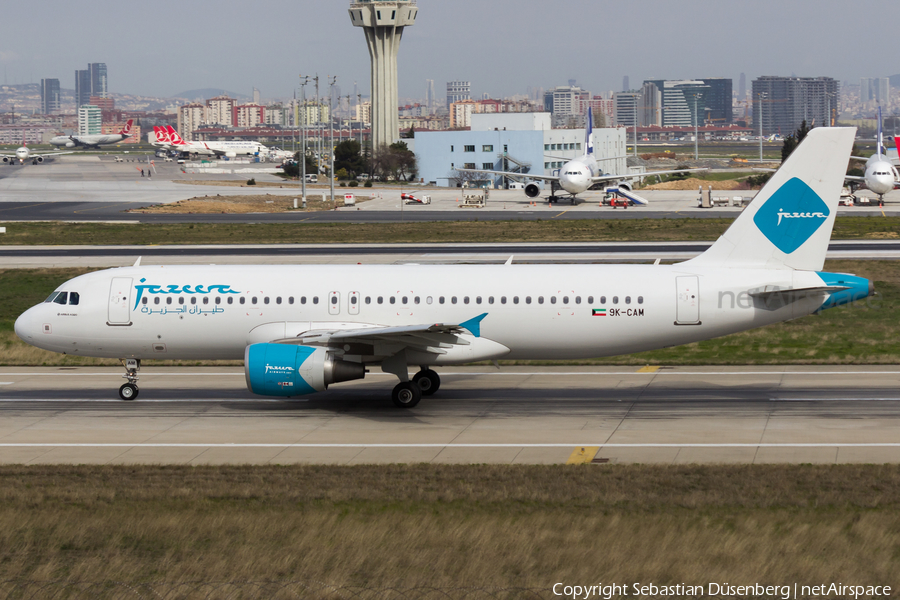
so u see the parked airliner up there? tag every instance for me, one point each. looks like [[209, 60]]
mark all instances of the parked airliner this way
[[94, 140], [579, 175], [881, 176], [301, 329], [168, 138], [24, 153]]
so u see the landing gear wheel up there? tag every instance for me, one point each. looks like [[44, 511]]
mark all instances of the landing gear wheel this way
[[428, 381], [128, 391], [406, 394]]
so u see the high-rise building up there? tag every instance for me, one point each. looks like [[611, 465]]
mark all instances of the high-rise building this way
[[718, 101], [99, 85], [625, 105], [865, 90], [383, 23], [783, 103], [190, 117], [429, 93], [650, 107], [882, 90], [49, 96], [255, 96], [249, 115], [90, 120], [684, 101], [458, 90], [220, 110], [82, 87], [742, 87], [567, 104], [626, 85]]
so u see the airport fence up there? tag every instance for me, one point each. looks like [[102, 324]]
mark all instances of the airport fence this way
[[245, 590]]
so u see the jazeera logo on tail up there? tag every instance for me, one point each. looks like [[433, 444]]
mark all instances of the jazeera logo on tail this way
[[791, 215]]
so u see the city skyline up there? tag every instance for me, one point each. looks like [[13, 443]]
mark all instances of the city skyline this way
[[792, 45]]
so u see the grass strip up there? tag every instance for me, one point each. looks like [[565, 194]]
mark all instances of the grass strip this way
[[582, 230], [451, 526], [866, 332]]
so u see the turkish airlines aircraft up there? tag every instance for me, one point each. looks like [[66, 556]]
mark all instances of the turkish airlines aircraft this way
[[24, 153], [881, 176], [93, 141], [300, 329], [579, 175], [170, 139]]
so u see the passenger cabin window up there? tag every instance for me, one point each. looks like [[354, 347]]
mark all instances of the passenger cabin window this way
[[315, 299], [368, 299], [627, 299], [453, 300], [380, 299], [441, 300], [290, 299], [640, 299], [156, 300], [194, 300], [502, 299], [230, 300], [242, 300], [218, 300], [393, 300], [181, 300], [205, 299], [169, 300], [143, 300], [527, 299], [278, 300], [266, 300], [615, 299], [515, 299]]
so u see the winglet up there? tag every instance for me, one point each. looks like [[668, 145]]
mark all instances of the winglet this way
[[474, 324], [509, 260], [588, 133], [137, 263]]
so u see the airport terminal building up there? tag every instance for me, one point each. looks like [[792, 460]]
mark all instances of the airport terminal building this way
[[517, 142]]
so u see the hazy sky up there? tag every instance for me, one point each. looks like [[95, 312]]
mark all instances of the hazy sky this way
[[502, 46]]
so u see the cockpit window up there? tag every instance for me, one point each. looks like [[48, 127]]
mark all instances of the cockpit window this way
[[73, 298], [61, 298], [51, 297]]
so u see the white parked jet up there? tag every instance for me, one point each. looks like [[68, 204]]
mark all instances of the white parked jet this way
[[579, 175], [93, 141], [300, 329], [24, 153], [169, 138], [881, 175]]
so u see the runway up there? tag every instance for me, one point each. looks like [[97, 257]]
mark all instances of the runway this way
[[551, 415], [533, 253], [88, 188]]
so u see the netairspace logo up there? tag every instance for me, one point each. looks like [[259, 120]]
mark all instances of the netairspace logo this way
[[725, 590], [279, 369]]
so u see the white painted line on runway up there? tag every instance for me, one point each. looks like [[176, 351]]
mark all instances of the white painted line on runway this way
[[834, 399], [454, 445], [6, 382]]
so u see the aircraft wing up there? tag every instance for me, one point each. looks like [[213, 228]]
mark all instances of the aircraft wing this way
[[609, 177], [427, 337], [50, 154], [514, 175], [854, 178]]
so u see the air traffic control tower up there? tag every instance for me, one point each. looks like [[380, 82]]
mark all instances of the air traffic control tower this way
[[383, 23]]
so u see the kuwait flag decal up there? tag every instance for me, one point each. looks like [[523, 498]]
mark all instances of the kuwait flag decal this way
[[598, 312]]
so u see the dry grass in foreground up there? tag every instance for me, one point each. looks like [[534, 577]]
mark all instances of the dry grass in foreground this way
[[262, 203], [448, 526]]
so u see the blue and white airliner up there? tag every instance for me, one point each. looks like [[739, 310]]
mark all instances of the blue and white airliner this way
[[881, 176], [579, 175], [300, 329]]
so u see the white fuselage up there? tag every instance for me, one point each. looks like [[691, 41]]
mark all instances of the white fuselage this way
[[576, 175], [532, 311], [226, 148], [881, 175], [87, 140]]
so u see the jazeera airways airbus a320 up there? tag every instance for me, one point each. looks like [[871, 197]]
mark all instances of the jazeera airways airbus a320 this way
[[579, 175], [301, 329]]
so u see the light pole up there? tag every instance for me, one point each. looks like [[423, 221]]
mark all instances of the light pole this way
[[301, 156], [331, 134], [635, 126], [359, 118], [696, 129]]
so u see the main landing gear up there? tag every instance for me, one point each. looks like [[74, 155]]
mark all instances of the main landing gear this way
[[129, 391], [407, 394]]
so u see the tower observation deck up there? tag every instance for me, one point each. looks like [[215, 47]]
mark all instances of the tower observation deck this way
[[383, 23]]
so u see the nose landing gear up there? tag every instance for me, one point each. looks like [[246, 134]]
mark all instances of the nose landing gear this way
[[129, 391]]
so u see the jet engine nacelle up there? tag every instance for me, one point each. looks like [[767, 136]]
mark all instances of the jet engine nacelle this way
[[231, 154], [532, 190], [70, 144], [40, 159], [7, 159], [292, 370]]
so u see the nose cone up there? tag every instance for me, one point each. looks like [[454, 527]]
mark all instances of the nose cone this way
[[27, 327]]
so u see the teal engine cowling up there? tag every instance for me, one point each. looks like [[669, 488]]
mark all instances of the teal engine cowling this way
[[291, 370]]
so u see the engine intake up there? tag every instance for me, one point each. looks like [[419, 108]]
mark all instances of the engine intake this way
[[290, 370], [532, 190]]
